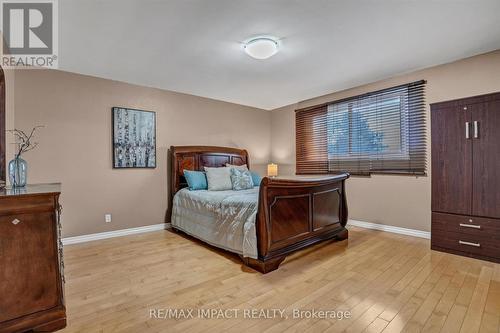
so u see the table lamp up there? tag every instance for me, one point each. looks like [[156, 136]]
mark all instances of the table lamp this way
[[272, 170]]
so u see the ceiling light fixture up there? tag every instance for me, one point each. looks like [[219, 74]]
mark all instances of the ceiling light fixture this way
[[261, 47]]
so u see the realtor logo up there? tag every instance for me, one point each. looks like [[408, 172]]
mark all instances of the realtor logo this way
[[29, 31]]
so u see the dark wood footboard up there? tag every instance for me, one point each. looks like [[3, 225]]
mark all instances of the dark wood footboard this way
[[295, 212]]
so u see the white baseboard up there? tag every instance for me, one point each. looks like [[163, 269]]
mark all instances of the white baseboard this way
[[390, 228], [115, 233], [162, 226]]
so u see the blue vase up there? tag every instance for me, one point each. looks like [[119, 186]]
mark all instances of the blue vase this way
[[18, 172]]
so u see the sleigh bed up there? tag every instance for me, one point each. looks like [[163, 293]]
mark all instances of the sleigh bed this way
[[283, 214]]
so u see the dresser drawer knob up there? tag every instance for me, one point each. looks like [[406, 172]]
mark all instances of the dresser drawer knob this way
[[469, 243], [16, 221], [465, 225]]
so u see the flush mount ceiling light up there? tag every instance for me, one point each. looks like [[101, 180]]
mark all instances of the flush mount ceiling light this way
[[261, 47]]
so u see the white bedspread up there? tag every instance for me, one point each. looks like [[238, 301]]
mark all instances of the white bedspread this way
[[225, 219]]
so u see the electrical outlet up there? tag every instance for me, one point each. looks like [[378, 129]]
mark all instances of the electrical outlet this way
[[107, 218]]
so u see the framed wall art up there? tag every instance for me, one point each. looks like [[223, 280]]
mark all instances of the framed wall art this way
[[134, 138]]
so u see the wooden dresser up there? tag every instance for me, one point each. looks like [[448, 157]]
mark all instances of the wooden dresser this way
[[31, 268], [466, 177]]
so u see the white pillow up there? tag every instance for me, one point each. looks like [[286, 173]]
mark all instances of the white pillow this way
[[219, 179], [238, 167]]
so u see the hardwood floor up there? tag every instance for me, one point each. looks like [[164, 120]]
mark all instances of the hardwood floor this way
[[388, 283]]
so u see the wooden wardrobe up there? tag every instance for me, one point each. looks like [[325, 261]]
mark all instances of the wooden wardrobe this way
[[466, 177]]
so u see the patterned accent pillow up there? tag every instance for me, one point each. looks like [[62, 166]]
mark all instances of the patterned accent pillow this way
[[241, 179], [239, 167]]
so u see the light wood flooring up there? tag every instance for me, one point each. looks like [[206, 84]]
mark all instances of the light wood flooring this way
[[388, 282]]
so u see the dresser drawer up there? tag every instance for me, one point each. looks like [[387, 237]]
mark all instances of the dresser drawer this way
[[470, 225], [25, 204]]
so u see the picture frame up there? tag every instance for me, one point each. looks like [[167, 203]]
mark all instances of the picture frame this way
[[133, 138]]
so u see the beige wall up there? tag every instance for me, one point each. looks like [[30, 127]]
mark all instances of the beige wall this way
[[75, 147], [402, 201]]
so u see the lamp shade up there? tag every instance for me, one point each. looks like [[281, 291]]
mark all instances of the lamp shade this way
[[272, 170]]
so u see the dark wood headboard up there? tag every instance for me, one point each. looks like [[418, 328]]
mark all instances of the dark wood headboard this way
[[197, 157]]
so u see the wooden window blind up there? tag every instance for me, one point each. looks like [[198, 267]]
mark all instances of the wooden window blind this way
[[378, 132]]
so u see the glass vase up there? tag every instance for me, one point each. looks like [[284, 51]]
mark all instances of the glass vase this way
[[18, 172]]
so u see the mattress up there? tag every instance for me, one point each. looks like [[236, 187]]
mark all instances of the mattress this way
[[225, 219]]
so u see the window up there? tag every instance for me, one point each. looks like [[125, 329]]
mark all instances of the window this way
[[381, 132]]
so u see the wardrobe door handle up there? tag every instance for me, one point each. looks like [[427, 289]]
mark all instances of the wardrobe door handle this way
[[467, 136], [465, 225], [15, 221], [469, 243], [476, 129]]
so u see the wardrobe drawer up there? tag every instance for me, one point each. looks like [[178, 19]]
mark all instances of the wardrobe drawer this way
[[475, 226], [467, 243]]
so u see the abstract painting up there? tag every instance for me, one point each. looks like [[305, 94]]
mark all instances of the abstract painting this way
[[134, 138]]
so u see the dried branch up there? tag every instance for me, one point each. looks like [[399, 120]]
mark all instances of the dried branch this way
[[33, 146], [23, 140]]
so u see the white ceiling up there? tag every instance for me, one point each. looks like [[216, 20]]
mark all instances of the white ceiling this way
[[194, 46]]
